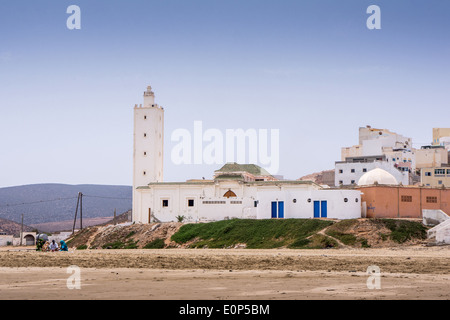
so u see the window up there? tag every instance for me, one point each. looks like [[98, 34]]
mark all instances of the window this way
[[145, 153], [235, 202], [406, 198], [145, 172], [229, 194], [428, 174], [439, 171], [341, 182], [439, 181], [256, 203], [341, 171], [353, 182], [356, 200], [214, 202], [165, 203], [145, 135], [431, 199], [345, 200], [145, 117], [190, 202], [364, 170], [352, 171]]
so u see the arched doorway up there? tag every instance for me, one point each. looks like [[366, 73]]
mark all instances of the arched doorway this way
[[29, 240]]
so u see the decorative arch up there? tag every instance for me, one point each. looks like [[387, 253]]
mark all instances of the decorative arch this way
[[230, 194]]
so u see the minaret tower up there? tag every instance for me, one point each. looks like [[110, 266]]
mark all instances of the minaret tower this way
[[148, 152]]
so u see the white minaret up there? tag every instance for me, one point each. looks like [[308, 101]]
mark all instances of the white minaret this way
[[148, 152]]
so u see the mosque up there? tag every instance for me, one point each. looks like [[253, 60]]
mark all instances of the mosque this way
[[244, 191], [247, 191]]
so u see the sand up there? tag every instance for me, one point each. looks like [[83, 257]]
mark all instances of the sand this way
[[236, 274]]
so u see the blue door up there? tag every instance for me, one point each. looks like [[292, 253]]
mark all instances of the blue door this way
[[316, 209], [323, 209], [274, 210], [281, 209]]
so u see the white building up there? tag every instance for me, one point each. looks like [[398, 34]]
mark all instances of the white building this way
[[349, 172], [148, 156], [377, 148], [236, 191], [375, 142]]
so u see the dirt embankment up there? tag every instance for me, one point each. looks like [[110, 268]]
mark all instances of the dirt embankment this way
[[354, 233], [126, 236]]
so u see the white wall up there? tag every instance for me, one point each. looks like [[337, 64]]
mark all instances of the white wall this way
[[347, 176], [4, 239], [210, 205]]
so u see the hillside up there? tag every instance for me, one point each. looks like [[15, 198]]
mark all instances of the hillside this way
[[323, 178], [255, 234], [42, 203], [13, 228]]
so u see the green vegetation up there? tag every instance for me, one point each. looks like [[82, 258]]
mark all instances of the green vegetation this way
[[364, 243], [130, 244], [82, 247], [317, 241], [155, 244], [401, 231], [132, 233], [256, 234], [113, 245], [404, 230], [338, 231]]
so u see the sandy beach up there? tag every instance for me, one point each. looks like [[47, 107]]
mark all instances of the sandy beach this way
[[236, 274]]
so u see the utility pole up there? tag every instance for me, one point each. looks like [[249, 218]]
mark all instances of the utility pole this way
[[76, 211], [21, 232], [81, 211]]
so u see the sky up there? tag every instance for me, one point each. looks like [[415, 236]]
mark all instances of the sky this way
[[311, 69]]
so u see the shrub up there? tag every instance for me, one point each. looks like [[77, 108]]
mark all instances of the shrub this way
[[255, 233], [364, 243], [346, 238], [404, 230], [132, 233], [113, 245], [155, 244]]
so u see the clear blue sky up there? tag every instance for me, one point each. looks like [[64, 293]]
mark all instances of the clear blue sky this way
[[311, 69]]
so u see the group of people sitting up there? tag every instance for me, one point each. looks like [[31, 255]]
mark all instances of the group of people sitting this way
[[43, 245]]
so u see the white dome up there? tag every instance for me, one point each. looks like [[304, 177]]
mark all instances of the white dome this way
[[377, 176]]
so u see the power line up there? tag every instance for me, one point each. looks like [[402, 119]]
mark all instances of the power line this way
[[34, 202], [117, 198], [59, 199]]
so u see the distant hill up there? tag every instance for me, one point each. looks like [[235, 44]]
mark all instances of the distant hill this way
[[42, 203], [13, 228], [323, 178]]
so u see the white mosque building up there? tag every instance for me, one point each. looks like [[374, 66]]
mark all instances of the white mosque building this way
[[243, 191]]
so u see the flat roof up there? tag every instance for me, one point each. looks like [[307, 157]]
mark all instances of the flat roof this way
[[262, 183]]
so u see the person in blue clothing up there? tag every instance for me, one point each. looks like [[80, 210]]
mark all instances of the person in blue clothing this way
[[63, 246]]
